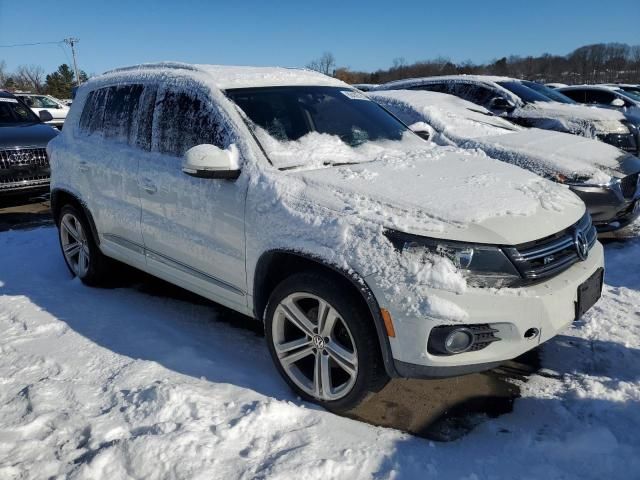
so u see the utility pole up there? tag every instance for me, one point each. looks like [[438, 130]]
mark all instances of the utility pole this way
[[71, 41]]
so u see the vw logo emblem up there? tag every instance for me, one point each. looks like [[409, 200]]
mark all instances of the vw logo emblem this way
[[581, 244]]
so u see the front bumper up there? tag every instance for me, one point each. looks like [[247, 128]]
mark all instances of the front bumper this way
[[609, 209], [548, 307]]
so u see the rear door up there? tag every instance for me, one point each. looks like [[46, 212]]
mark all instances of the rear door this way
[[110, 139], [193, 228]]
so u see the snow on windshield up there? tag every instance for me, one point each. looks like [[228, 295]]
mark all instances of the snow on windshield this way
[[449, 115], [315, 150]]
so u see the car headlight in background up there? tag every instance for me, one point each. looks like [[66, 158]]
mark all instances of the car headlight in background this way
[[481, 265]]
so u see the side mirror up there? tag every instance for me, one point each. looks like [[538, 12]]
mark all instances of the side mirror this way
[[209, 161], [423, 130], [617, 102], [45, 116], [499, 103]]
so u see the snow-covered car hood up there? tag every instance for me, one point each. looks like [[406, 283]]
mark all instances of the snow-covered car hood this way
[[587, 121], [548, 152], [446, 193]]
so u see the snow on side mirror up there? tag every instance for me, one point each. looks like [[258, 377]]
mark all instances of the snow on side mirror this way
[[209, 161], [617, 102], [423, 130]]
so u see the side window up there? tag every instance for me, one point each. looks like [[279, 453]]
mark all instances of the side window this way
[[474, 93], [577, 95], [121, 108], [123, 113], [596, 97], [432, 87], [186, 120], [92, 116]]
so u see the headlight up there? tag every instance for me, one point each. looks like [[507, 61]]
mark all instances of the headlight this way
[[482, 265]]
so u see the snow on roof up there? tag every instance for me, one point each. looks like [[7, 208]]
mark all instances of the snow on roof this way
[[229, 76], [420, 80]]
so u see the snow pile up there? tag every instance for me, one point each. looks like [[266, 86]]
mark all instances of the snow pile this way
[[464, 124], [118, 384]]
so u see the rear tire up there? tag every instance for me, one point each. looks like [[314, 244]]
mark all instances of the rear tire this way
[[323, 341], [79, 248]]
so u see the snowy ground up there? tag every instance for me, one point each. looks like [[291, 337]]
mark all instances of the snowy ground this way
[[115, 383]]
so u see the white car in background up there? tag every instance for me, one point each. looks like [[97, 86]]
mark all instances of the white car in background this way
[[46, 103], [293, 198], [605, 177]]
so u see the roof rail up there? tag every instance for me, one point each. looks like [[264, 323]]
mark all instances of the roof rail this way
[[154, 66]]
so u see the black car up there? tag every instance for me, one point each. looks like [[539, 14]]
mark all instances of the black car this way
[[24, 166]]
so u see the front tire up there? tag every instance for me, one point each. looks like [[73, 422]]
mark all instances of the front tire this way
[[79, 249], [323, 341]]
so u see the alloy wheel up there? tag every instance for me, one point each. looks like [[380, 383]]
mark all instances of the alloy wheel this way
[[314, 346], [74, 243]]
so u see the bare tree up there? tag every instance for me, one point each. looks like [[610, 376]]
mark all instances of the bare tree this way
[[325, 64], [3, 73], [30, 77]]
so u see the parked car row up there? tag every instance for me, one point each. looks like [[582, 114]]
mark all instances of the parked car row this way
[[367, 250]]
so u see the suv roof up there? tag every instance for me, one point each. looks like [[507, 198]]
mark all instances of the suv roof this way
[[229, 76]]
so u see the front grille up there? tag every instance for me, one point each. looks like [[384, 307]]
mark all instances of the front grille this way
[[9, 183], [551, 255], [23, 157], [629, 185]]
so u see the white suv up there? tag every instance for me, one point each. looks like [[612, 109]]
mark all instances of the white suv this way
[[289, 196]]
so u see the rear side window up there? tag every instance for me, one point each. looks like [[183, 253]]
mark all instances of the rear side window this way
[[596, 97], [473, 93], [186, 120], [122, 113], [577, 95], [432, 87]]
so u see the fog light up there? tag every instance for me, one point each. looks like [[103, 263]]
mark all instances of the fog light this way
[[455, 339], [458, 340]]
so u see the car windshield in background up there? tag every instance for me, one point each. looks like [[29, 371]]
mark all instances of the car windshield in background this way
[[548, 92], [40, 102], [315, 126], [632, 93], [525, 93], [12, 112]]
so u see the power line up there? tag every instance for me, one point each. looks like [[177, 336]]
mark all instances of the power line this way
[[30, 44]]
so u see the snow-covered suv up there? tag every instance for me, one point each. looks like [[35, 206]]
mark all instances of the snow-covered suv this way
[[292, 198]]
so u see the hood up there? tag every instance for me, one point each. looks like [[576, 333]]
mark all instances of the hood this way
[[548, 153], [447, 193], [28, 135], [581, 119]]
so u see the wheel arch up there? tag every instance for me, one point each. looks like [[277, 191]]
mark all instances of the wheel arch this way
[[61, 197], [275, 265]]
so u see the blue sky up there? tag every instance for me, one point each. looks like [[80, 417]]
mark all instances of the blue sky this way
[[291, 33]]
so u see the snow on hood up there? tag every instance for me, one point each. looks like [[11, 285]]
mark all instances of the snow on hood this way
[[580, 119], [545, 152], [447, 193]]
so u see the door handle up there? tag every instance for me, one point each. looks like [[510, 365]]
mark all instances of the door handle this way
[[83, 166], [148, 186]]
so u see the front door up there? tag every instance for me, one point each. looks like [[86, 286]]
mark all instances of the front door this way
[[193, 228]]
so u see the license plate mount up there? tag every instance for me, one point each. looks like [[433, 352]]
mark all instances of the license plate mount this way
[[589, 292]]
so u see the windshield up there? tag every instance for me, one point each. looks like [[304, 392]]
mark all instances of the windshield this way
[[525, 93], [315, 126], [12, 112], [631, 92], [548, 92]]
